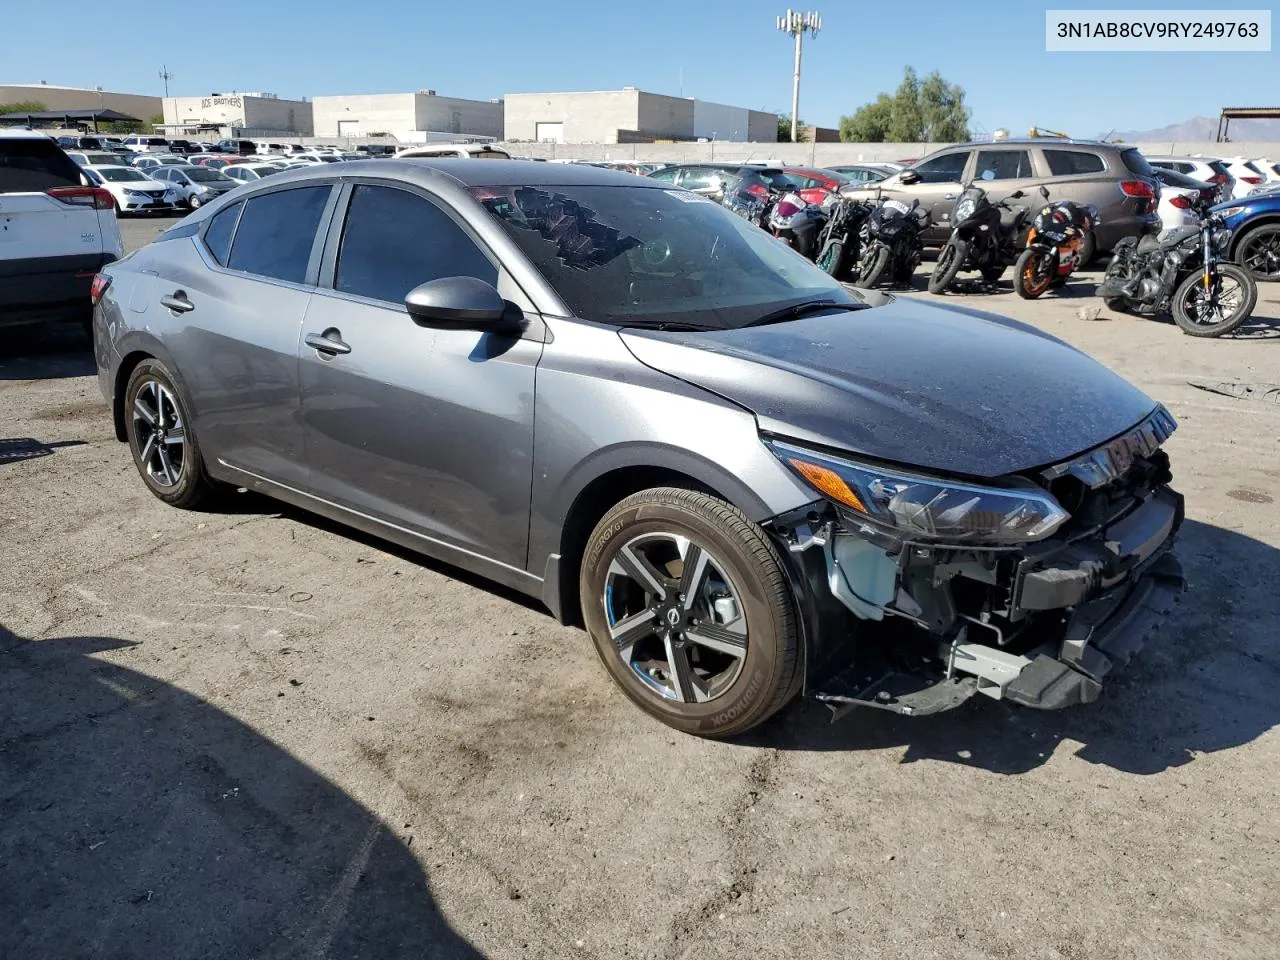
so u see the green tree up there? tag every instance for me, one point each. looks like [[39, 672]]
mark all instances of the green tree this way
[[784, 128], [155, 121], [929, 110], [23, 106]]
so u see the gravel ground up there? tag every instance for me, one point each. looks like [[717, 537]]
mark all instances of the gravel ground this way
[[255, 734]]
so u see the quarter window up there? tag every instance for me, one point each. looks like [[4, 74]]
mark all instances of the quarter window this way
[[1005, 164], [277, 231], [217, 236], [394, 240], [665, 176], [1070, 163], [948, 168]]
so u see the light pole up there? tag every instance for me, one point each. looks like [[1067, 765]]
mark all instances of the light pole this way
[[796, 23]]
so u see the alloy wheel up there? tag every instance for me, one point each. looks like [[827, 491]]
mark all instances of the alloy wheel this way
[[160, 432], [676, 617], [1217, 303], [1260, 254]]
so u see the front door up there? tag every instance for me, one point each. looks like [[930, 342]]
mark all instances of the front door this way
[[1010, 170], [426, 428]]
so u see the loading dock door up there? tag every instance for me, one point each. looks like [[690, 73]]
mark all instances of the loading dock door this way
[[348, 128], [550, 132]]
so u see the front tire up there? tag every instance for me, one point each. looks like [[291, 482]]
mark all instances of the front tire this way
[[1228, 303], [691, 612], [870, 271], [950, 259], [193, 202], [1259, 252], [831, 259], [161, 439], [1034, 273]]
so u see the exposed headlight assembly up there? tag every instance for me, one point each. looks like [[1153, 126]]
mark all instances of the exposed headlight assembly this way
[[927, 507], [964, 209]]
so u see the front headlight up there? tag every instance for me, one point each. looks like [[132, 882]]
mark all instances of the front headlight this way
[[1229, 212], [927, 507], [964, 209]]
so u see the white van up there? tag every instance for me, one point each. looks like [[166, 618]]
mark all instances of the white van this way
[[140, 144], [58, 231], [474, 151]]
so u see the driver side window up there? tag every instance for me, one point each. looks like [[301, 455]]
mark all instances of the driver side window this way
[[948, 168]]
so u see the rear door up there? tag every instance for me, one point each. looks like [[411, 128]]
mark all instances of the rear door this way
[[1011, 170], [52, 236], [246, 290], [428, 429]]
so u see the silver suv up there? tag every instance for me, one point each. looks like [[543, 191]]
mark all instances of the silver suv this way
[[1113, 177]]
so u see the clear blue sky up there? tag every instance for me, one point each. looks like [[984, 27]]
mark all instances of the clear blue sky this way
[[728, 52]]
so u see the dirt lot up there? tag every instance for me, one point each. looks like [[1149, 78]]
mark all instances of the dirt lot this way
[[252, 734]]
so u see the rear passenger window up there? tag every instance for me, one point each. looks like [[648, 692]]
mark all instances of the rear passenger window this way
[[394, 240], [1005, 164], [217, 236], [1070, 163], [277, 231], [34, 165]]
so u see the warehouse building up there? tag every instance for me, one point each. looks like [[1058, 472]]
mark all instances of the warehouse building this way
[[630, 115], [421, 117], [54, 98], [238, 115]]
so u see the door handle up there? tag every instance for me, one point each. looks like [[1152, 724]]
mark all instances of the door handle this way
[[177, 302], [329, 342]]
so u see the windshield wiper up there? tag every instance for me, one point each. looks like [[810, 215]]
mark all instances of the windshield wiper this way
[[672, 325], [798, 310]]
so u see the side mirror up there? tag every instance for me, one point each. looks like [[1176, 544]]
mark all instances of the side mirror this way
[[908, 177], [1044, 191], [1017, 195], [458, 301]]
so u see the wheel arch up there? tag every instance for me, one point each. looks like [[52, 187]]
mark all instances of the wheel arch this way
[[133, 351], [1271, 219]]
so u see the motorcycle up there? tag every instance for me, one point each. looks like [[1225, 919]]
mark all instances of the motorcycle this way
[[1054, 242], [796, 222], [751, 197], [839, 243], [891, 242], [981, 238], [1185, 272]]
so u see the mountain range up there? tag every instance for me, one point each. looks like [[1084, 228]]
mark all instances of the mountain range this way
[[1200, 129]]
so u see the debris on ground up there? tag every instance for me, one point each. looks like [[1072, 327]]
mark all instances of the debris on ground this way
[[1266, 392]]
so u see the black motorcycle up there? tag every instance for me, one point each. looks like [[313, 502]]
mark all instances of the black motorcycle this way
[[1184, 272], [891, 243], [839, 243], [982, 238], [751, 197]]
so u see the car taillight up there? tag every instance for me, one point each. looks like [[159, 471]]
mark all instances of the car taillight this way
[[1137, 188], [757, 190], [1182, 203], [1252, 180], [94, 197], [98, 288], [1218, 179]]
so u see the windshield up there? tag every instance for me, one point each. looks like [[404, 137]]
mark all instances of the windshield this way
[[632, 255], [205, 175], [120, 174]]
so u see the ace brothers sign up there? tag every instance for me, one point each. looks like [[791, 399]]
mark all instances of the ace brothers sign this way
[[223, 106]]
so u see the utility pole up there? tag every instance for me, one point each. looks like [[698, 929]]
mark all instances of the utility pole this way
[[797, 23], [166, 76]]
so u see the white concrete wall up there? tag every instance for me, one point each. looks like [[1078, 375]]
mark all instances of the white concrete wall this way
[[591, 117], [394, 113], [225, 111], [662, 116], [762, 126], [265, 113], [480, 118], [719, 121]]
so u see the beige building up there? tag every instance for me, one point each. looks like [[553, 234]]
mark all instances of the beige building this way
[[630, 115], [81, 98], [238, 115], [409, 117]]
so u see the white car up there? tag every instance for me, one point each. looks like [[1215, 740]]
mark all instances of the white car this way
[[1180, 195], [1205, 169], [58, 232], [133, 190], [249, 172], [474, 151], [140, 144], [195, 186], [149, 160], [89, 159], [1247, 175]]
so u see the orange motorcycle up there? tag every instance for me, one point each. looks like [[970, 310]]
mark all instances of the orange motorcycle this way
[[1057, 235]]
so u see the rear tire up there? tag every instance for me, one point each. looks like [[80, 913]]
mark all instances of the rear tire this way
[[870, 271], [161, 438], [1189, 290], [712, 653], [950, 259]]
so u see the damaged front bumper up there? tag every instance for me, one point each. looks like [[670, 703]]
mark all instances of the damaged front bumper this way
[[1043, 626]]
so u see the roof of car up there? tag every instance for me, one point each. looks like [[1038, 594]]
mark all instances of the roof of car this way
[[496, 173], [1046, 142], [12, 134]]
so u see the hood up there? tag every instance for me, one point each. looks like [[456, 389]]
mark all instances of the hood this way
[[940, 388]]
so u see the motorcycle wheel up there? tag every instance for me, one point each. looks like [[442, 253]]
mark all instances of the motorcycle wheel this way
[[1118, 304], [950, 259], [831, 259], [870, 269], [1227, 303], [1034, 272]]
